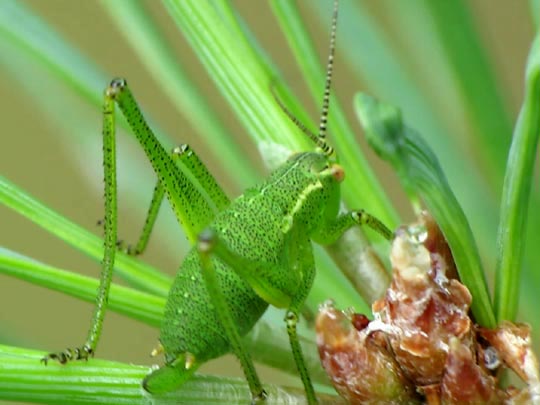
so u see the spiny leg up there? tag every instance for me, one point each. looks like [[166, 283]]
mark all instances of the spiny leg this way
[[362, 218], [188, 195], [109, 242], [203, 181], [208, 241], [182, 189], [332, 231], [139, 248]]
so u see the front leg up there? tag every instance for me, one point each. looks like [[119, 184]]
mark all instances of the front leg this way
[[331, 231]]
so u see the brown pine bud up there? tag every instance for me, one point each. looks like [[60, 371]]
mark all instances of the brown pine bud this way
[[424, 308]]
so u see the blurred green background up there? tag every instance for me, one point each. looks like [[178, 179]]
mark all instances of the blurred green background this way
[[41, 154]]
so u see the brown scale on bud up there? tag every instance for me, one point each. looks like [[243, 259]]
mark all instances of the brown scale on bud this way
[[464, 381], [361, 367], [512, 342], [423, 346], [424, 307]]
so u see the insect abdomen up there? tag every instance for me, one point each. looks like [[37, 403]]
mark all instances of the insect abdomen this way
[[190, 322]]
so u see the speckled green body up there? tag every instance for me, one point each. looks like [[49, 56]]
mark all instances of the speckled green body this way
[[271, 225], [247, 254]]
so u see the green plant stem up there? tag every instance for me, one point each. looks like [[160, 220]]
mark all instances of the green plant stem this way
[[24, 378], [134, 271], [516, 193], [481, 97], [146, 40], [145, 307]]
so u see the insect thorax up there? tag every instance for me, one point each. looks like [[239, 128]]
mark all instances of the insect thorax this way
[[301, 193]]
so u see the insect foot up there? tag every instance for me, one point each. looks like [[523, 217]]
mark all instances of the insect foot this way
[[80, 353], [122, 245], [363, 218], [261, 398]]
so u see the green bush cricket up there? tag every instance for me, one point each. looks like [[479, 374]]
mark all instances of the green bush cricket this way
[[247, 254]]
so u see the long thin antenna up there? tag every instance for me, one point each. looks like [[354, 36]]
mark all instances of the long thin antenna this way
[[320, 139], [329, 69], [295, 120]]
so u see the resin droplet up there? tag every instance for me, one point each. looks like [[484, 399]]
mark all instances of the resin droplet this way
[[417, 233]]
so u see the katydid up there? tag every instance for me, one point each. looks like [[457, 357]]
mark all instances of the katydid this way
[[249, 253]]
